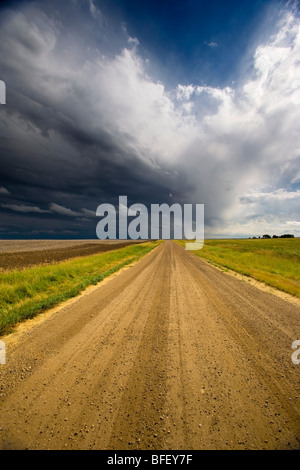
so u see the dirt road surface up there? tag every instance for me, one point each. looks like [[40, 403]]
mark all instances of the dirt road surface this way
[[169, 354]]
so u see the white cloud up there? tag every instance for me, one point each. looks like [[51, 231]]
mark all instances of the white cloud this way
[[277, 195], [295, 223], [252, 139], [184, 92], [296, 178], [211, 44], [53, 208], [61, 210], [133, 41], [4, 190], [94, 11], [88, 213]]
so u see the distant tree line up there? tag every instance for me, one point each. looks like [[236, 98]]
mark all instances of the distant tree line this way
[[286, 235]]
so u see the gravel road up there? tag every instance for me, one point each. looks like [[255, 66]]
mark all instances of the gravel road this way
[[169, 354]]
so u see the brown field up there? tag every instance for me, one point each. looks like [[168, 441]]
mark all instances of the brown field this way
[[170, 353], [12, 246], [17, 254]]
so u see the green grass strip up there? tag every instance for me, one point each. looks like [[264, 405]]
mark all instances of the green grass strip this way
[[28, 292], [275, 262]]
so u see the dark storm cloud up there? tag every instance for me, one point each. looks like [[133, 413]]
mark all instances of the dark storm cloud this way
[[58, 150]]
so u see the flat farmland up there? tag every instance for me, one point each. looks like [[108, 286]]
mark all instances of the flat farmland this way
[[275, 262], [35, 280], [17, 254], [170, 353], [13, 246]]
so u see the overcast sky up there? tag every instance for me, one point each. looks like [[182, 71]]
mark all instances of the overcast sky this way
[[170, 101]]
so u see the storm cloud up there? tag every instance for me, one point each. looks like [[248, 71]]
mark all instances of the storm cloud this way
[[85, 122]]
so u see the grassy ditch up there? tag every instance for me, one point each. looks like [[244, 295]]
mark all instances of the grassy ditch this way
[[27, 292], [275, 262]]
